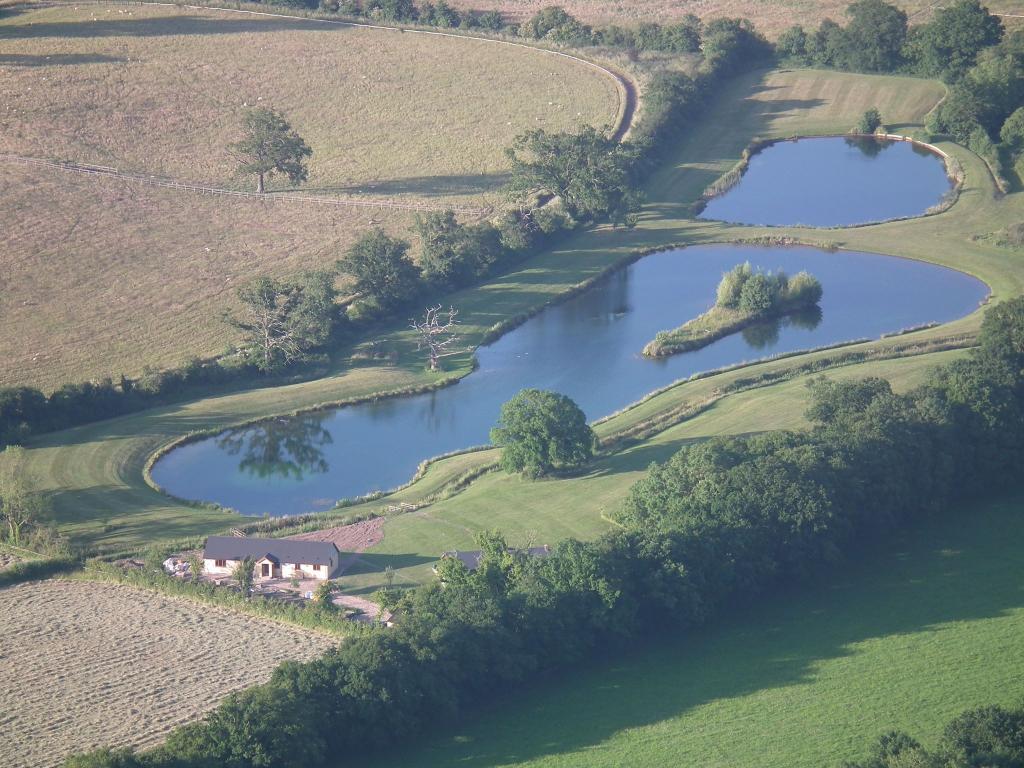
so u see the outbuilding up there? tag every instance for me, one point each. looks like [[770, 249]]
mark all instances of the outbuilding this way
[[274, 558]]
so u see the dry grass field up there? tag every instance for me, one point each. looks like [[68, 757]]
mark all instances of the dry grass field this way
[[101, 277], [84, 665], [162, 90]]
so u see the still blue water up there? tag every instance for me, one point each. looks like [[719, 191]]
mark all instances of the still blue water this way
[[587, 348], [833, 182]]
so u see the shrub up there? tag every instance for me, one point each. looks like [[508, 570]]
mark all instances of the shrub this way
[[758, 295], [870, 121]]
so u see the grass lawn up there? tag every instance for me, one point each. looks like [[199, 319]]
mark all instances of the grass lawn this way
[[94, 474], [163, 90], [903, 638]]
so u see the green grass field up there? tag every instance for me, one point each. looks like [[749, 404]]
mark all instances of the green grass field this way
[[163, 90], [93, 475], [903, 638]]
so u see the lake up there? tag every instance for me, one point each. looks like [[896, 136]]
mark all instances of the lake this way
[[833, 182], [588, 348]]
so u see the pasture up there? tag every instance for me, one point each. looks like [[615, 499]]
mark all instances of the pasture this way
[[162, 90], [103, 277], [88, 664], [906, 637]]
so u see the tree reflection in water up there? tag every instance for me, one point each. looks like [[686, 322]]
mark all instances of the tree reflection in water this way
[[287, 447], [766, 334], [870, 147]]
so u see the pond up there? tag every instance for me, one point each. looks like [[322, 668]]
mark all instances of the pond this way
[[587, 348], [834, 182]]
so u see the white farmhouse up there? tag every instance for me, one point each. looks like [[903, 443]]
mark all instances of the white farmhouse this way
[[274, 558]]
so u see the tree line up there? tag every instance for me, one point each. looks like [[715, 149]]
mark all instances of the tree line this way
[[985, 736], [720, 522]]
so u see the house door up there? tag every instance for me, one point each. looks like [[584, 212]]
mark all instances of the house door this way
[[265, 569]]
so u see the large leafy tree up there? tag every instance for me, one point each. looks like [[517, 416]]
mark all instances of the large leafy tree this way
[[949, 44], [282, 320], [269, 147], [875, 36], [588, 170], [382, 268], [542, 431]]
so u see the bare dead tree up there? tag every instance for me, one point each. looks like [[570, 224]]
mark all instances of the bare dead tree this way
[[437, 333]]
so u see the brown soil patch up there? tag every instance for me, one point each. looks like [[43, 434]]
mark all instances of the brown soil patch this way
[[356, 537]]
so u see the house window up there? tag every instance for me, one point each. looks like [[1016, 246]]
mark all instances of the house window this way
[[316, 567], [298, 566], [220, 563]]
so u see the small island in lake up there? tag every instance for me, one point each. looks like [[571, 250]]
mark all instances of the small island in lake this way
[[744, 297]]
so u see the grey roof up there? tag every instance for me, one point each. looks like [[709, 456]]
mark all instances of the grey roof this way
[[471, 559], [282, 550]]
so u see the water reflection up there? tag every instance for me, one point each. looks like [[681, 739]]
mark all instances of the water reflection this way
[[868, 146], [282, 448], [766, 334]]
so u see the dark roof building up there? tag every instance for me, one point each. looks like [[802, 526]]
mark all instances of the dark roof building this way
[[275, 550]]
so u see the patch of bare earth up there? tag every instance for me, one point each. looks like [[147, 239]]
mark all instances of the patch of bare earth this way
[[84, 665], [351, 540]]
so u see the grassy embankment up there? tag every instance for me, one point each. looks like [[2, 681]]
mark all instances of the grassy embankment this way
[[104, 277], [905, 637], [94, 474]]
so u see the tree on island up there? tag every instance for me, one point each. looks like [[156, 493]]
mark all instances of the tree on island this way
[[744, 297], [270, 146], [540, 432]]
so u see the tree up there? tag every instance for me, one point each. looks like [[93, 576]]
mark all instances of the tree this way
[[243, 574], [270, 146], [324, 592], [948, 45], [19, 507], [792, 44], [542, 431], [282, 320], [436, 333], [1012, 131], [382, 269], [588, 170], [454, 253], [875, 36], [553, 23], [870, 121], [105, 758]]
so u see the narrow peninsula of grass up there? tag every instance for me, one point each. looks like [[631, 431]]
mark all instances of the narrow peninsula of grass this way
[[744, 297]]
